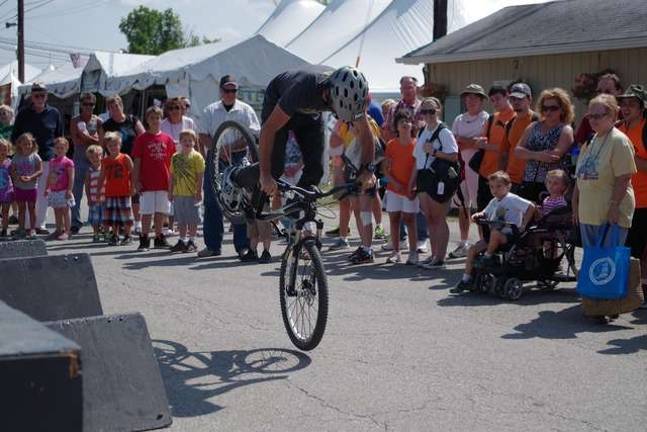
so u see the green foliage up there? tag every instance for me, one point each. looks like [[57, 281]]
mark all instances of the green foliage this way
[[150, 31]]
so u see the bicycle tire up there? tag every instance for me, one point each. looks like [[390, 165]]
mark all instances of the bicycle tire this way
[[217, 149], [288, 279]]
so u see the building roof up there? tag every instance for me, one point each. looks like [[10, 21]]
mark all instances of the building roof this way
[[556, 27]]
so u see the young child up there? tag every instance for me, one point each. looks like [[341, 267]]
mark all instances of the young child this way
[[26, 168], [116, 179], [94, 190], [556, 185], [6, 185], [258, 232], [506, 208], [399, 166], [59, 188], [185, 190], [152, 152]]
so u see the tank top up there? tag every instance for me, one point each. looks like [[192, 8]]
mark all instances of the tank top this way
[[117, 176], [127, 130], [94, 192], [537, 141]]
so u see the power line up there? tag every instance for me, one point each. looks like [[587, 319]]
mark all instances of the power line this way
[[37, 5], [77, 9]]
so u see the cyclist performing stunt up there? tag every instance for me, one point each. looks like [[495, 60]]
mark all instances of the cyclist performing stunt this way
[[294, 101]]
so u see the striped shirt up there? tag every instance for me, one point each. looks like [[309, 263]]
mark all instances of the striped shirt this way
[[549, 204], [95, 195]]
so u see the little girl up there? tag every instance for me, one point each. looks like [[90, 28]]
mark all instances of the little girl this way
[[6, 185], [26, 167], [59, 188], [94, 191], [557, 185]]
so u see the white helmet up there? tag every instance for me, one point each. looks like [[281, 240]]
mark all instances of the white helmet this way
[[349, 93]]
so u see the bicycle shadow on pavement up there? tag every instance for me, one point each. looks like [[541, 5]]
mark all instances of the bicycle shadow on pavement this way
[[193, 379], [564, 324]]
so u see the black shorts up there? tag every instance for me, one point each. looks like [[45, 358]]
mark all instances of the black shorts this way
[[637, 236]]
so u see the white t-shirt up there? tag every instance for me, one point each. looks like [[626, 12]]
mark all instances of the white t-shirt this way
[[445, 143], [215, 114], [510, 209], [469, 126], [174, 129]]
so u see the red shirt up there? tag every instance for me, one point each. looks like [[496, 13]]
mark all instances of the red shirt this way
[[154, 152], [117, 175]]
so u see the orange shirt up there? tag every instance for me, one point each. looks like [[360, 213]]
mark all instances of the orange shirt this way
[[638, 180], [117, 175], [496, 136], [401, 162], [516, 167]]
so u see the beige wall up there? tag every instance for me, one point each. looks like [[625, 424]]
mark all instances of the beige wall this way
[[542, 71]]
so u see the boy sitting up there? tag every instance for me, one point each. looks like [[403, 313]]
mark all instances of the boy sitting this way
[[506, 208]]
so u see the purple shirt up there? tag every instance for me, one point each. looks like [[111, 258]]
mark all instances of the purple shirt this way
[[6, 185], [551, 204], [59, 179]]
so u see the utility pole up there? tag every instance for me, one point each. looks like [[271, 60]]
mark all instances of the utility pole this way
[[440, 18], [21, 40]]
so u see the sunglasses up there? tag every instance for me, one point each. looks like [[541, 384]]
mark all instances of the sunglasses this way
[[229, 90], [553, 108], [430, 111], [596, 116]]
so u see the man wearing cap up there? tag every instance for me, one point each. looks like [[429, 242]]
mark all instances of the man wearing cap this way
[[467, 129], [45, 123], [521, 100], [229, 107]]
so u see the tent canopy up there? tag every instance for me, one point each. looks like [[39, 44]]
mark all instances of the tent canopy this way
[[288, 20], [102, 65], [62, 82], [11, 70]]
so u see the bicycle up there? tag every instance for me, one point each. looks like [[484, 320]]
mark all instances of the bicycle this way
[[303, 285]]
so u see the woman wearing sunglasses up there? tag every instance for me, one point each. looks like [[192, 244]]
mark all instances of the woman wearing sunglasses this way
[[545, 142], [175, 122]]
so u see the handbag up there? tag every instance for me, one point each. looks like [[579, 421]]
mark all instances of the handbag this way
[[630, 303], [605, 270], [442, 177]]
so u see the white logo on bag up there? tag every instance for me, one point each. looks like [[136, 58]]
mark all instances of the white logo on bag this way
[[602, 271]]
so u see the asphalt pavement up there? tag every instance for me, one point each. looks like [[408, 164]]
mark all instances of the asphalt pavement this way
[[399, 353]]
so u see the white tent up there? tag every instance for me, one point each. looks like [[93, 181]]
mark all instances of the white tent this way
[[336, 25], [9, 72], [195, 72], [288, 20], [63, 81], [103, 65]]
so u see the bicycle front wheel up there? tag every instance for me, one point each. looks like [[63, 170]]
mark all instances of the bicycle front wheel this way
[[304, 295]]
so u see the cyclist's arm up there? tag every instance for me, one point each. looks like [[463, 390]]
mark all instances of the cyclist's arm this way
[[277, 119]]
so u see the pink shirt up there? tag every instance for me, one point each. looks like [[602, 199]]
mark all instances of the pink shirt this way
[[58, 179]]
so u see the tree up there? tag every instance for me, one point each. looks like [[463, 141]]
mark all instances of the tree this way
[[150, 31]]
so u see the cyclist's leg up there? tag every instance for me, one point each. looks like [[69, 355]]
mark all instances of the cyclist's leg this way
[[309, 133]]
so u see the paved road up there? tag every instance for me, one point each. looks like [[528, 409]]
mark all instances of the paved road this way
[[399, 354]]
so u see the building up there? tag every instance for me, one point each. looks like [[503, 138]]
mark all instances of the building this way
[[546, 45]]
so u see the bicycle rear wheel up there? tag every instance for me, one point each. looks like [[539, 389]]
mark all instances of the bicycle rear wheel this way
[[232, 146], [304, 295]]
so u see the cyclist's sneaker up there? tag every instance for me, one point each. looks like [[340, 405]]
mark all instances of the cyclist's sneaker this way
[[356, 252], [265, 257], [180, 246], [190, 246], [114, 240], [340, 243], [333, 232], [144, 243], [363, 257], [460, 251], [463, 285], [126, 241], [413, 258], [161, 242], [379, 233], [395, 257], [250, 256]]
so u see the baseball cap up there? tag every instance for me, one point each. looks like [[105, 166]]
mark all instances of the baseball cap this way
[[474, 89], [38, 87], [520, 91], [228, 80]]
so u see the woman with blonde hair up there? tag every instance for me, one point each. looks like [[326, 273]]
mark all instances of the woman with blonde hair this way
[[545, 143]]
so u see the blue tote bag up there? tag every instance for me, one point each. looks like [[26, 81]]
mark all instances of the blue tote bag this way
[[605, 270]]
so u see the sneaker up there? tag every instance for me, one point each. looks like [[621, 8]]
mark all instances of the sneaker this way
[[265, 257], [462, 286], [250, 256], [180, 246], [434, 265], [389, 247], [75, 229], [363, 257], [413, 258], [206, 252], [13, 220], [356, 252], [144, 243], [333, 232], [421, 246], [161, 242], [340, 243], [137, 228], [96, 238], [168, 232], [460, 251], [114, 240], [191, 247], [379, 233], [52, 236], [395, 257], [42, 231], [126, 241]]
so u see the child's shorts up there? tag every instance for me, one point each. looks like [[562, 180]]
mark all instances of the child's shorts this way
[[7, 197], [95, 214], [117, 211], [400, 203], [25, 195], [152, 202], [57, 199], [186, 211]]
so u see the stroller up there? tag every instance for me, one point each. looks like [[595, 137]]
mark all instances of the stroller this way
[[536, 255]]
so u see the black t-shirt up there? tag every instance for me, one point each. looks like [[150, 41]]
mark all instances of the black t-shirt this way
[[127, 130], [44, 126], [296, 92]]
